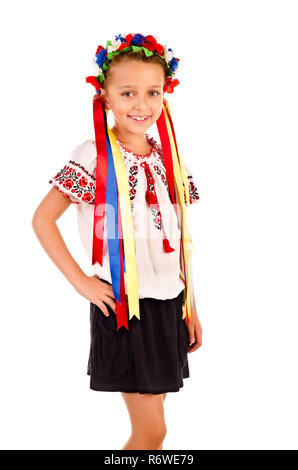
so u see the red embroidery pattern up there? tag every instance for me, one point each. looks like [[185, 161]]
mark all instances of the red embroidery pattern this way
[[156, 216], [66, 195], [133, 181], [155, 212], [75, 182], [128, 153], [151, 195], [134, 158], [80, 184], [193, 191], [162, 175]]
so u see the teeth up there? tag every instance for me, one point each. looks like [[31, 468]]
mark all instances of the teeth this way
[[138, 118]]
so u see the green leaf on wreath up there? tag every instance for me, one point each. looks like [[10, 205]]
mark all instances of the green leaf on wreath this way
[[147, 52], [136, 48], [127, 48]]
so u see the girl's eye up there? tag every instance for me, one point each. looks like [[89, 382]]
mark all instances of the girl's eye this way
[[125, 93]]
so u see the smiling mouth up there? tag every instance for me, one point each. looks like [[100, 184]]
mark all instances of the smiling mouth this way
[[139, 118]]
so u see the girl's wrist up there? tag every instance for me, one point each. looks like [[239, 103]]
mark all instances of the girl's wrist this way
[[77, 278]]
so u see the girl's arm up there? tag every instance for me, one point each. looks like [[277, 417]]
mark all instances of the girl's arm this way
[[44, 225]]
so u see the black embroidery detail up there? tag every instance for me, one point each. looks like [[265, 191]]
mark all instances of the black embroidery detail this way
[[73, 183], [193, 191], [133, 181], [156, 216], [162, 174], [84, 169]]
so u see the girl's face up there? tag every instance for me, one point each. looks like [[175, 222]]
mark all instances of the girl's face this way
[[135, 89]]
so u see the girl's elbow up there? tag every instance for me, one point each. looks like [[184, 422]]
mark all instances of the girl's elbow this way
[[35, 222], [38, 219]]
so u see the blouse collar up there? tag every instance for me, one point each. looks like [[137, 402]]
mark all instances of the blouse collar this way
[[150, 140]]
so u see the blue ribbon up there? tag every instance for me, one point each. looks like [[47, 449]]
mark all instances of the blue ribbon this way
[[112, 220]]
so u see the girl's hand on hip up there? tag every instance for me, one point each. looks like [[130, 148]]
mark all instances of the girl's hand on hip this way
[[97, 292]]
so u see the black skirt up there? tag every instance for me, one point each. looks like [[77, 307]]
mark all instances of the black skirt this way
[[149, 358]]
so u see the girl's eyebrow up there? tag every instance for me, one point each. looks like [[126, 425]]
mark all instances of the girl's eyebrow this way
[[131, 86]]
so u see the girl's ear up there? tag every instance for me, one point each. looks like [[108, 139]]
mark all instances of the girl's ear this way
[[105, 100]]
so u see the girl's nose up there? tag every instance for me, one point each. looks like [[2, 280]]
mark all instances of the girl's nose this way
[[140, 103], [140, 108]]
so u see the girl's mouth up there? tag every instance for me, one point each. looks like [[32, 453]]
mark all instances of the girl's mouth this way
[[139, 119]]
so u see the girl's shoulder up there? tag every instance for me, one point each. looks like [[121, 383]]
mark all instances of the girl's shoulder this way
[[77, 177], [84, 154]]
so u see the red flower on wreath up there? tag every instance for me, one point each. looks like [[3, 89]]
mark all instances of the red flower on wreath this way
[[150, 43], [170, 85], [93, 80], [122, 46], [128, 39], [99, 48], [159, 49]]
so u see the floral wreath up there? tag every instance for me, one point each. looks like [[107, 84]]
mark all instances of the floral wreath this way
[[133, 42]]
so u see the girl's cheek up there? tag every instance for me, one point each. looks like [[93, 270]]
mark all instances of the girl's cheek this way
[[124, 108], [121, 112]]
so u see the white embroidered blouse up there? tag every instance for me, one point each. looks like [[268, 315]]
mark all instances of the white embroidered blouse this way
[[158, 271]]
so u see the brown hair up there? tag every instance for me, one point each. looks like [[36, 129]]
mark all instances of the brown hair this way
[[138, 56]]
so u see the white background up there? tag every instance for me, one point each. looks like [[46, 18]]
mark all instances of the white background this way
[[235, 116]]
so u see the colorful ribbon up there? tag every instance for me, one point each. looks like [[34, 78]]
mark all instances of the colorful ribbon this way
[[112, 200], [180, 176]]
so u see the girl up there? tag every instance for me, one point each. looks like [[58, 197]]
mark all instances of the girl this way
[[143, 356]]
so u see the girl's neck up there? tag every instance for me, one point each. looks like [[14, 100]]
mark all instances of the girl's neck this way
[[137, 144]]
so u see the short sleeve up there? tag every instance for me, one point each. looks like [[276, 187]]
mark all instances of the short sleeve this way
[[192, 186], [77, 179]]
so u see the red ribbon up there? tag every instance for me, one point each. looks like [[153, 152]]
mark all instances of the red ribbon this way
[[101, 180], [167, 152]]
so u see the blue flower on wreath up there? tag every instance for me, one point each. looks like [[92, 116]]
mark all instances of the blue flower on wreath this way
[[137, 39], [101, 57], [173, 64], [122, 39]]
